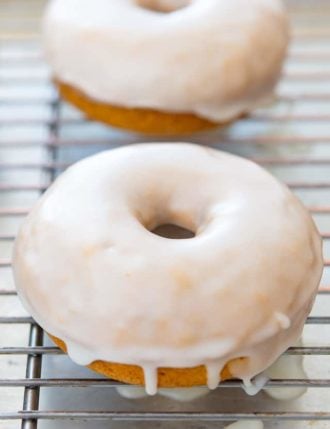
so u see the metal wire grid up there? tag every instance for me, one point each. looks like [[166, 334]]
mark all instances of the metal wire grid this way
[[65, 140]]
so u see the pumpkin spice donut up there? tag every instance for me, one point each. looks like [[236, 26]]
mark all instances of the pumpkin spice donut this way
[[166, 66], [150, 310]]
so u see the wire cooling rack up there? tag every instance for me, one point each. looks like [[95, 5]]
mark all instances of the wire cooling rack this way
[[40, 136]]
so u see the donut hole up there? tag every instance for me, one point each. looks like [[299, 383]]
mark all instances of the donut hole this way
[[163, 6], [170, 230]]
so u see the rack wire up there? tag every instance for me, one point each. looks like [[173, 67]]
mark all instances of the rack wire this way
[[40, 136]]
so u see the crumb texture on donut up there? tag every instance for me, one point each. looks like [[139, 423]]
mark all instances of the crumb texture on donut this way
[[240, 287]]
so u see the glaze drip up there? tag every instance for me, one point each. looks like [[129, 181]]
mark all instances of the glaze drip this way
[[150, 378], [254, 386], [213, 373]]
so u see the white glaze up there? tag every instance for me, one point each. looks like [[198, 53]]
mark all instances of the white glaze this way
[[215, 58], [253, 387], [89, 271], [213, 371], [150, 378], [286, 366]]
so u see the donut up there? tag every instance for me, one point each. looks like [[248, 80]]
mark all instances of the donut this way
[[166, 66], [156, 311]]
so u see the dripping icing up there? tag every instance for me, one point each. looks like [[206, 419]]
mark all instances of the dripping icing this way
[[213, 373], [253, 386], [79, 354], [150, 378], [262, 345]]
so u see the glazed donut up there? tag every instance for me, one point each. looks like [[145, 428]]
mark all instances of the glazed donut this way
[[146, 309], [166, 65]]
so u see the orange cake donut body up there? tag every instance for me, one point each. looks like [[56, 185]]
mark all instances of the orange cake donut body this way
[[138, 119]]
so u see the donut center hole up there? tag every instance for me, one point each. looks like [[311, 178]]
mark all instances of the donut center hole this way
[[170, 230], [163, 6]]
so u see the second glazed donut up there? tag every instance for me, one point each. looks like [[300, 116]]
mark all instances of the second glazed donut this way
[[129, 64]]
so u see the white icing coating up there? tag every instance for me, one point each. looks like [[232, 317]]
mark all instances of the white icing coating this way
[[90, 272], [213, 371], [253, 387], [150, 378], [215, 58], [286, 366]]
